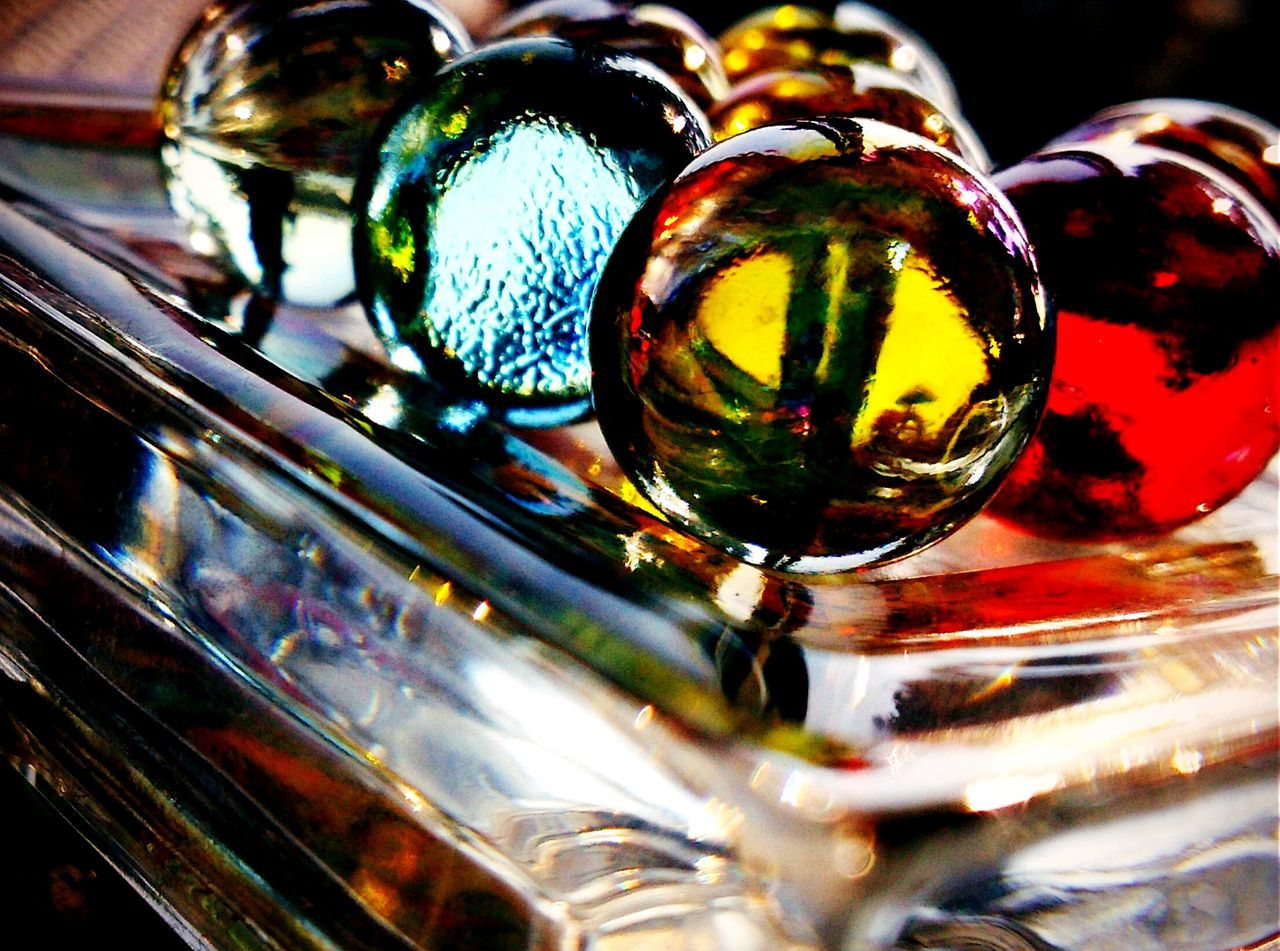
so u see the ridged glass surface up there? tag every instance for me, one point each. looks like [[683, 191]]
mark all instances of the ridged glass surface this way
[[495, 203], [320, 654], [322, 658]]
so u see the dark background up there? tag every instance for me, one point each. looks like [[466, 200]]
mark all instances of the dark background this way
[[1029, 69]]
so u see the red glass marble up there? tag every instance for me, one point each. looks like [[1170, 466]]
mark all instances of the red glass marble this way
[[1241, 145], [663, 35], [1164, 398], [862, 89]]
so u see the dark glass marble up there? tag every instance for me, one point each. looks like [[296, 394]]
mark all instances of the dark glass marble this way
[[493, 204], [822, 346], [663, 35], [1236, 143], [861, 90], [1164, 399], [267, 111], [794, 37]]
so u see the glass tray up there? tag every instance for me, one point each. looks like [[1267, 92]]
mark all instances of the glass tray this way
[[319, 656]]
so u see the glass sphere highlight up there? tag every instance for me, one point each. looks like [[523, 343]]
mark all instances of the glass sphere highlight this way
[[795, 37], [663, 35], [822, 345], [267, 111], [861, 90], [1166, 393], [1242, 146], [493, 204]]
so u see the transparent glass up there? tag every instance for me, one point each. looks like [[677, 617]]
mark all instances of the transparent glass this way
[[319, 656]]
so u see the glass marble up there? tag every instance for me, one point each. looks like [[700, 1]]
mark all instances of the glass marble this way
[[794, 37], [865, 90], [664, 36], [493, 204], [1163, 403], [267, 110], [1239, 144], [822, 345]]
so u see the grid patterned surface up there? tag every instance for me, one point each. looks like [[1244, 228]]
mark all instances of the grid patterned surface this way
[[120, 47], [116, 46]]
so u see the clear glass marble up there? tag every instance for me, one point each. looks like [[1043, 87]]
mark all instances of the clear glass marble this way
[[267, 113]]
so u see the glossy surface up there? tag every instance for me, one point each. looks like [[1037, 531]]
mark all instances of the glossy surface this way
[[822, 346], [1164, 402], [796, 37], [861, 90], [267, 112], [663, 35], [321, 663], [494, 203], [1243, 146]]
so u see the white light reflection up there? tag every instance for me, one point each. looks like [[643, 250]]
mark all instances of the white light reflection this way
[[739, 591], [385, 406], [440, 41], [203, 243], [1187, 762], [904, 58], [573, 739], [1143, 839], [1000, 792]]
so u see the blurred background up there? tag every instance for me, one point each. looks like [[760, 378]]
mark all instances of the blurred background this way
[[1025, 69]]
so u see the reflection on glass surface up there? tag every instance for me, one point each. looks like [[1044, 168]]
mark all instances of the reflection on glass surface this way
[[322, 657]]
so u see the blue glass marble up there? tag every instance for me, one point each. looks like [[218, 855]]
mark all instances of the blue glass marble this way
[[493, 204]]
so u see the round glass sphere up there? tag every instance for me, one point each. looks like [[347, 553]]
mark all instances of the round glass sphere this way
[[493, 203], [822, 345], [1240, 145], [1165, 400], [795, 37], [861, 90], [268, 109], [663, 35]]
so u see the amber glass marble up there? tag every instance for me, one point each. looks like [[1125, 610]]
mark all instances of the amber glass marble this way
[[795, 37], [1165, 400], [861, 90], [1241, 145], [822, 345], [663, 35], [267, 112], [492, 204]]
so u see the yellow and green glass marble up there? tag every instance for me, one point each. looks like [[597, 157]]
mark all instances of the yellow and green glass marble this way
[[822, 346]]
